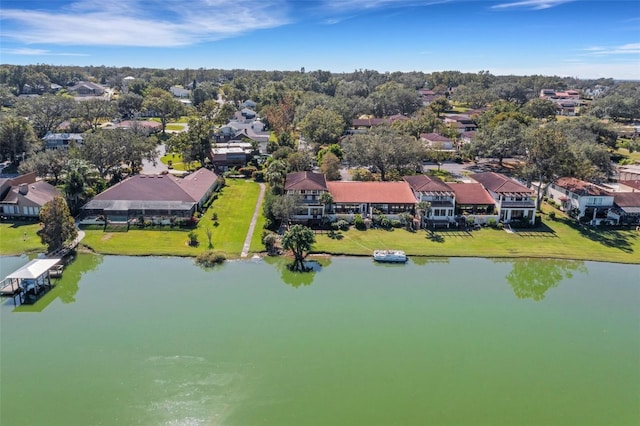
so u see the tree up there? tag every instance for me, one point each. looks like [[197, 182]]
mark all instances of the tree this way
[[58, 227], [541, 109], [93, 111], [330, 166], [300, 161], [547, 156], [439, 105], [195, 143], [384, 149], [16, 137], [105, 149], [45, 163], [322, 126], [327, 200], [299, 239], [130, 105], [334, 148], [163, 105], [501, 140], [276, 175], [46, 112]]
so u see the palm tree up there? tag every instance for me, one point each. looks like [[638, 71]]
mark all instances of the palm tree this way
[[424, 209], [327, 200]]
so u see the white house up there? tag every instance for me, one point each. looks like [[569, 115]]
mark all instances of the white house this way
[[581, 199]]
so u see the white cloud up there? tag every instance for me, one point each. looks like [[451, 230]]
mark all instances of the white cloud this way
[[531, 4], [625, 49], [355, 5], [25, 51], [154, 23]]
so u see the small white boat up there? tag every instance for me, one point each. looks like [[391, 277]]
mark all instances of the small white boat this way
[[392, 256]]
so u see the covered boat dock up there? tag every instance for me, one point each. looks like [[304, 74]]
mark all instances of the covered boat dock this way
[[30, 281]]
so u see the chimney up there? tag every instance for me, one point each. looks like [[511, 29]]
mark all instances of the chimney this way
[[23, 188]]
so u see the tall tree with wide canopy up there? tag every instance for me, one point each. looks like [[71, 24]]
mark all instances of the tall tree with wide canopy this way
[[46, 112], [385, 149], [501, 140], [163, 105], [16, 137], [105, 149], [93, 111], [547, 157], [58, 227], [322, 126]]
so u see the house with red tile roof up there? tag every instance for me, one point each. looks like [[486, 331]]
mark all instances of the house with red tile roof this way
[[308, 187], [24, 196], [581, 199], [157, 198], [514, 201], [473, 201], [368, 198], [439, 195]]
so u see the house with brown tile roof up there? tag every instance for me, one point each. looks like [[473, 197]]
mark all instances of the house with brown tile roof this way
[[626, 208], [473, 201], [513, 200], [157, 198], [368, 198], [581, 199], [439, 195], [307, 187], [24, 196]]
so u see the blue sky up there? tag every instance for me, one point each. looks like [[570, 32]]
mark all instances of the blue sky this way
[[578, 38]]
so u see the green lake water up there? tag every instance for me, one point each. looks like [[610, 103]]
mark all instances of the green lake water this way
[[160, 341]]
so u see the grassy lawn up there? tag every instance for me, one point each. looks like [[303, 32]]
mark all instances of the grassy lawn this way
[[174, 127], [177, 163], [234, 207], [559, 238], [19, 238], [633, 156]]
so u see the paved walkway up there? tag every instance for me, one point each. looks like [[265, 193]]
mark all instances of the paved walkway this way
[[252, 226]]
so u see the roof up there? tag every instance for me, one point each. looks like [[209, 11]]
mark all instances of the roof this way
[[198, 183], [424, 183], [499, 184], [305, 181], [358, 122], [62, 136], [634, 183], [34, 269], [159, 188], [471, 193], [371, 192], [39, 193], [434, 137], [580, 187], [627, 199]]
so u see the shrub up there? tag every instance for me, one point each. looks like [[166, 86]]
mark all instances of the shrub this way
[[193, 238], [492, 222], [358, 221], [208, 259], [342, 225], [214, 216], [269, 239], [396, 223], [247, 171], [258, 176], [552, 215], [385, 222]]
